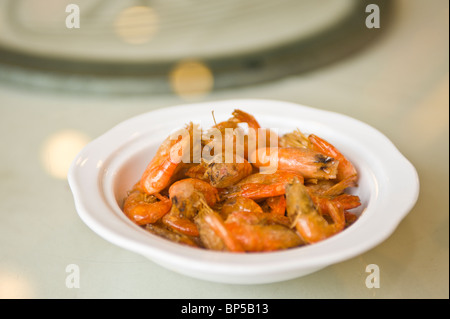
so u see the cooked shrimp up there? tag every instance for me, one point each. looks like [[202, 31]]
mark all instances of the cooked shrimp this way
[[256, 137], [216, 137], [239, 203], [184, 192], [254, 218], [345, 170], [220, 173], [223, 175], [240, 116], [262, 137], [245, 231], [347, 201], [258, 185], [162, 167], [295, 139], [350, 218], [162, 230], [343, 203], [198, 171], [277, 205], [333, 191], [183, 171], [260, 193], [310, 164], [185, 196], [180, 224], [212, 230], [143, 208], [257, 233], [306, 218], [326, 192]]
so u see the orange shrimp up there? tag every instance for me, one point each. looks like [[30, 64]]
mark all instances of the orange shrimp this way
[[255, 136], [345, 169], [336, 208], [163, 231], [240, 203], [277, 205], [222, 175], [161, 168], [212, 231], [180, 224], [221, 129], [143, 208], [326, 190], [258, 185], [307, 219], [350, 218], [258, 232], [182, 172], [240, 116], [185, 196], [219, 173], [263, 137], [245, 231], [232, 164], [223, 203], [183, 190], [258, 218], [347, 201], [198, 171], [309, 163]]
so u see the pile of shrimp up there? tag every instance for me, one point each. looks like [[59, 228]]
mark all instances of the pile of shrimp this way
[[236, 207]]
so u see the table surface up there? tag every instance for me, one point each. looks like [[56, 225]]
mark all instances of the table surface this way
[[399, 85]]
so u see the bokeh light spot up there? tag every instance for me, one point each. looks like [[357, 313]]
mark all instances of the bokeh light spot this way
[[60, 149], [14, 286], [191, 79], [136, 25]]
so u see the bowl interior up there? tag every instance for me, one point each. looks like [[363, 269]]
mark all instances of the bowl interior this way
[[126, 166]]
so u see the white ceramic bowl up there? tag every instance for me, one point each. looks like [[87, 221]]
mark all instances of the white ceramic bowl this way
[[107, 168]]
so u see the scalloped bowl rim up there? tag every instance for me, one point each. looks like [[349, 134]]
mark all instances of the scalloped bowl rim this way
[[391, 182]]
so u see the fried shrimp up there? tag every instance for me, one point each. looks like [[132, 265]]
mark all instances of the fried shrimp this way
[[308, 219], [145, 209], [230, 202], [185, 196]]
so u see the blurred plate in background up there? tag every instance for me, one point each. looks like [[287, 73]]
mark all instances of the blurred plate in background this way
[[129, 47]]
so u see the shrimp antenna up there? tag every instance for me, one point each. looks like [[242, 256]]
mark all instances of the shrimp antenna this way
[[214, 119]]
